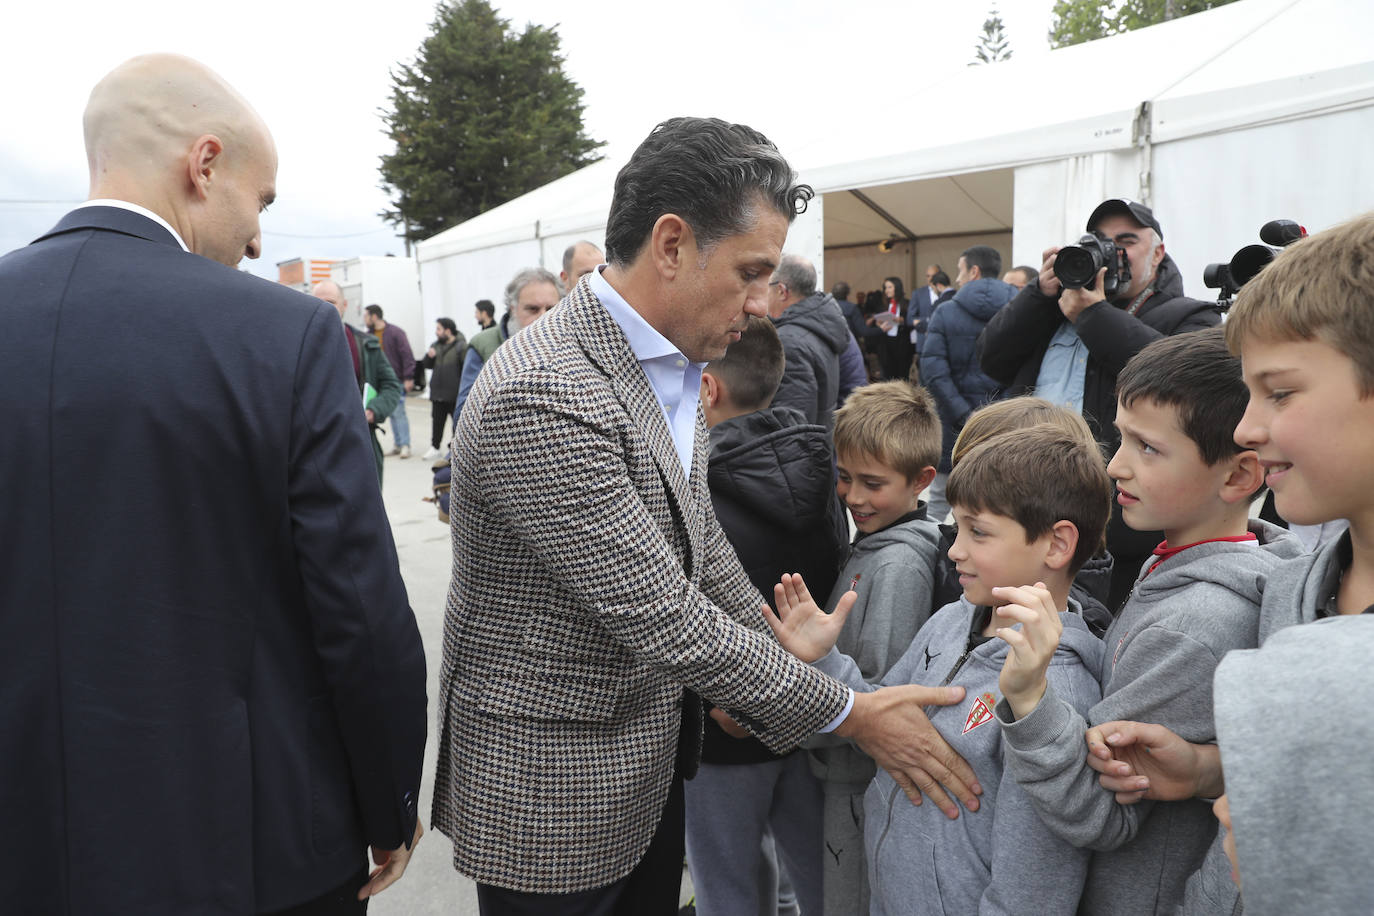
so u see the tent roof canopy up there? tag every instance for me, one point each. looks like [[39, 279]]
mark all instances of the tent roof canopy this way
[[1246, 63]]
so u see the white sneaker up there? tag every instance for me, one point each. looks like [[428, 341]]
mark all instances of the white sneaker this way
[[405, 451], [394, 451], [431, 454]]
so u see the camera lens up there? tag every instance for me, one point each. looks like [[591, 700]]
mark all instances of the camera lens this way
[[1249, 261], [1076, 266]]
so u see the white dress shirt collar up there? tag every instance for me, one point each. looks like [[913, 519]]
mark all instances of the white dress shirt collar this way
[[141, 211]]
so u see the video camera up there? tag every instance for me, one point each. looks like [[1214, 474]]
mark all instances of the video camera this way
[[1076, 266], [1250, 260]]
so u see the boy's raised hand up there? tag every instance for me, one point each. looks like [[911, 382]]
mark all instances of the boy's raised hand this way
[[801, 625], [1023, 676]]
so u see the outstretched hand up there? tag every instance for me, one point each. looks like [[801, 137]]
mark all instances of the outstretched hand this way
[[1138, 760], [1022, 680], [800, 624], [890, 725]]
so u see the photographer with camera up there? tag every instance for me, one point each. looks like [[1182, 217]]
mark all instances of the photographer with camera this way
[[1067, 335]]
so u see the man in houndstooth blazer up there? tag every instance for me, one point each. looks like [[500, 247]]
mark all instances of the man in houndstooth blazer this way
[[591, 581]]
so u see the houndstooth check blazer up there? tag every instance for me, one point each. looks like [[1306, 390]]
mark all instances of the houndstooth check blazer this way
[[591, 583]]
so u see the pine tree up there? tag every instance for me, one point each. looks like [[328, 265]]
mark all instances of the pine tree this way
[[992, 43], [483, 115], [1075, 21]]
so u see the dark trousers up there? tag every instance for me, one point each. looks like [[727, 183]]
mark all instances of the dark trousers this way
[[341, 901], [651, 889], [439, 412]]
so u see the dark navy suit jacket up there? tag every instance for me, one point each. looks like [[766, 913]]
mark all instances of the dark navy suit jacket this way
[[212, 687]]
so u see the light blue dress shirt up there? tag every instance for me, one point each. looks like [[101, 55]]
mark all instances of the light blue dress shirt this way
[[1063, 369]]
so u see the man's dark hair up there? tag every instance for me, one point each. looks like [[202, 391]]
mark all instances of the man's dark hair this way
[[1031, 274], [986, 259], [1196, 375], [447, 324], [374, 310], [752, 366], [939, 278], [485, 305], [710, 173], [840, 291]]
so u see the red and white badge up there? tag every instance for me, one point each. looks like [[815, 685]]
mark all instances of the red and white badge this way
[[980, 712]]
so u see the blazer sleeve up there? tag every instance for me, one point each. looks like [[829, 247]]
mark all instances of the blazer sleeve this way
[[360, 619], [595, 533]]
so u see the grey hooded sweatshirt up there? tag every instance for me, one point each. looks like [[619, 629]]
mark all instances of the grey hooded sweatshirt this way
[[1001, 858], [814, 335], [1158, 661], [893, 572], [1295, 728]]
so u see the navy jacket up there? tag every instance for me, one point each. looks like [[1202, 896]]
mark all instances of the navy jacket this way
[[949, 361], [212, 687], [773, 490]]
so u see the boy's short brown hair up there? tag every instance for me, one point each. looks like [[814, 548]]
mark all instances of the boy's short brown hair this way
[[752, 366], [1319, 288], [895, 423], [1017, 413], [1038, 476]]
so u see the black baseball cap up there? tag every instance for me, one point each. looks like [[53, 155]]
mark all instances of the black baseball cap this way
[[1121, 206]]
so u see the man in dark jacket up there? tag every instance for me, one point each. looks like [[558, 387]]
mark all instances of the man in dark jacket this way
[[949, 363], [445, 360], [772, 489], [370, 367], [814, 337], [1068, 345], [396, 346]]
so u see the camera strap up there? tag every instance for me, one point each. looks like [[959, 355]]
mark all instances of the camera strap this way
[[1139, 300]]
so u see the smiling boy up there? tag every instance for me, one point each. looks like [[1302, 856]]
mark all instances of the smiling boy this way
[[1031, 507], [1179, 471], [887, 443]]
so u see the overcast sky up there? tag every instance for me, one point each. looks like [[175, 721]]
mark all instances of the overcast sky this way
[[318, 72]]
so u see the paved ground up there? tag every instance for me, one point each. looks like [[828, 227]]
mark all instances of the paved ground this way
[[430, 885]]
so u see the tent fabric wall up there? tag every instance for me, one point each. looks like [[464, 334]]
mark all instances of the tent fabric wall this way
[[1053, 199]]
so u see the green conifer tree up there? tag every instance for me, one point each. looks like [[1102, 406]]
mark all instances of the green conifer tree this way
[[483, 115]]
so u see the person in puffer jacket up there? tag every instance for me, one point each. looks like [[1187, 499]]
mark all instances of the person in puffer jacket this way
[[949, 358], [1032, 506], [772, 489]]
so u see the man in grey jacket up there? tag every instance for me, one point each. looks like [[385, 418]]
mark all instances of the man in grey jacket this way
[[814, 336]]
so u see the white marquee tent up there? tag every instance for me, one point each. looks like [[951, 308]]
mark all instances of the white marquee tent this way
[[1221, 121]]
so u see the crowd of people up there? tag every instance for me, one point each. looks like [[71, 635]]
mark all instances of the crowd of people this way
[[949, 603]]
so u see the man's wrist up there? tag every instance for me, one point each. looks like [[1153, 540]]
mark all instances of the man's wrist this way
[[834, 724]]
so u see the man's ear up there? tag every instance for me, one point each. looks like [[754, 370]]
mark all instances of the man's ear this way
[[1159, 255], [1243, 479], [671, 245], [202, 159], [1063, 543]]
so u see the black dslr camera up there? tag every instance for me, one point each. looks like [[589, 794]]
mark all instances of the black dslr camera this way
[[1244, 264], [1076, 266]]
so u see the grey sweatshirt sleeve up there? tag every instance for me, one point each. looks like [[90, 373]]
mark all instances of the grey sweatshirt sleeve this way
[[1166, 678], [898, 603], [1032, 868]]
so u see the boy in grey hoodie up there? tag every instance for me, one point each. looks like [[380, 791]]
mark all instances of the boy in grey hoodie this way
[[1179, 471], [1031, 506], [1306, 344], [887, 443]]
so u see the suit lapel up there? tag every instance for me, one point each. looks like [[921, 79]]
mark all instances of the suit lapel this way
[[604, 341]]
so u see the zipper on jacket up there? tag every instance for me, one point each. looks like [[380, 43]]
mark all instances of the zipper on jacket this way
[[968, 650]]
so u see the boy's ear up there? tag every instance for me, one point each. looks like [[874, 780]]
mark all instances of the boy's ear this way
[[1063, 543], [711, 389], [924, 479], [1244, 478]]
